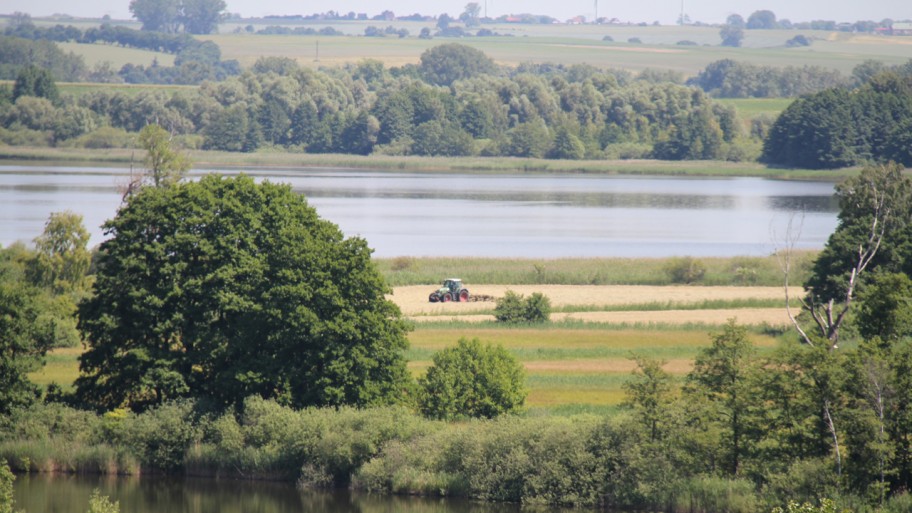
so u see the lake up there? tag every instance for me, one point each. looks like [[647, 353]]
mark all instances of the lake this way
[[486, 215], [60, 493]]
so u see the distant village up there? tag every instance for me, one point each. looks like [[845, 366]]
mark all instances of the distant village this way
[[885, 27]]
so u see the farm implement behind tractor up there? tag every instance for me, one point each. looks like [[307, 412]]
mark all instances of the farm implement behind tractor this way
[[453, 290]]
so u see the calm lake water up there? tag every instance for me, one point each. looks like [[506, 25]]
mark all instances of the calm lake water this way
[[70, 494], [491, 215]]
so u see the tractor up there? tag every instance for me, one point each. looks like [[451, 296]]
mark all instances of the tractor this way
[[452, 290]]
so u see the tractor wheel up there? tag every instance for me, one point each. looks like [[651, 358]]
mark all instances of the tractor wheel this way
[[463, 295], [447, 298]]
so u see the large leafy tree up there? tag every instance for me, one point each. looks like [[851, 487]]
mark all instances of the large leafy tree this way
[[191, 16], [447, 63], [224, 288]]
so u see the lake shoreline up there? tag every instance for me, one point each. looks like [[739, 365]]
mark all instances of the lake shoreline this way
[[289, 161]]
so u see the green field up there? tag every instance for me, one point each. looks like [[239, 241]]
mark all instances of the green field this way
[[574, 44], [117, 56], [582, 368]]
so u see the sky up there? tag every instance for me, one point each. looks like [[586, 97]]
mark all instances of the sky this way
[[663, 11]]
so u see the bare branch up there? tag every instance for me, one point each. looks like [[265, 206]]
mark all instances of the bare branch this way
[[784, 257]]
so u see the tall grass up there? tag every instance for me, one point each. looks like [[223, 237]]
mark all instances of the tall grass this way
[[763, 271], [714, 495]]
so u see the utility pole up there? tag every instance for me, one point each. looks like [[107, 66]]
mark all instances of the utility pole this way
[[682, 12], [596, 12]]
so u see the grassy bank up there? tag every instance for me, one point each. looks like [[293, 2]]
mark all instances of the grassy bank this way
[[290, 161], [763, 271]]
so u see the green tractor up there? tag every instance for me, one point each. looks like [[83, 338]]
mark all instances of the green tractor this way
[[452, 290]]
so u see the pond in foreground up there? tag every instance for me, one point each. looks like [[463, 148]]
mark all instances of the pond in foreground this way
[[70, 494], [486, 215]]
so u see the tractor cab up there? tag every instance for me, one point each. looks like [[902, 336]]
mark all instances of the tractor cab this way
[[453, 285]]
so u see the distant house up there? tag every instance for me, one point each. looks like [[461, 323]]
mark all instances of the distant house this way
[[902, 29], [577, 20]]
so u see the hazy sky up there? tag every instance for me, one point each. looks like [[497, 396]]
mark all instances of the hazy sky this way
[[664, 11]]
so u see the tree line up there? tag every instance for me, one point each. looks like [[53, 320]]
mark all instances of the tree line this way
[[25, 43], [841, 127], [455, 102]]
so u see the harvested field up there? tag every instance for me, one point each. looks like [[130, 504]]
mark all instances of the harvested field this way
[[414, 303]]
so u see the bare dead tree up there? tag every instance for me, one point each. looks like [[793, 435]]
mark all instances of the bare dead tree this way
[[784, 257], [829, 314]]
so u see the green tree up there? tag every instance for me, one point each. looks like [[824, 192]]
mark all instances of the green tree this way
[[35, 81], [202, 16], [164, 165], [62, 257], [472, 380], [731, 35], [447, 63], [191, 16], [21, 349], [222, 289], [735, 20], [762, 19], [232, 129], [157, 15], [872, 234], [721, 374], [470, 16], [567, 146], [886, 308], [649, 393]]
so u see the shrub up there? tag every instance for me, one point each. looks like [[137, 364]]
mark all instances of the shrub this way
[[685, 270], [608, 39], [472, 380], [798, 40], [6, 488], [162, 435], [99, 503], [635, 40], [513, 308]]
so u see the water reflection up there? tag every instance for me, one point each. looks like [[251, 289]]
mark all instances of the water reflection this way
[[497, 215], [70, 494]]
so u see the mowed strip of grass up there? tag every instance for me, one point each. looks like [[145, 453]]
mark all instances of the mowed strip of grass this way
[[576, 368]]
